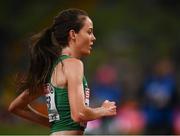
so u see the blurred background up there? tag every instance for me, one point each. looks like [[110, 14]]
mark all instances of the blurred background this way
[[135, 61]]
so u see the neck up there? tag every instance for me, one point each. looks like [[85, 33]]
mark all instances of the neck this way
[[68, 51]]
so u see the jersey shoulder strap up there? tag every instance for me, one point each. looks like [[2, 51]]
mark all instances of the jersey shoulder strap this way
[[59, 59]]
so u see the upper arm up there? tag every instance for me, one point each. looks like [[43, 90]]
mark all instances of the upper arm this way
[[74, 74]]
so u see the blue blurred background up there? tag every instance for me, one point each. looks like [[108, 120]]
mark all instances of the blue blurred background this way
[[135, 61]]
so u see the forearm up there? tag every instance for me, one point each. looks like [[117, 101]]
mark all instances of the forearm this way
[[31, 116], [19, 107], [88, 114]]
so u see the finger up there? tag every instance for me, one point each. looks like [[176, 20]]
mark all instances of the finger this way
[[113, 113], [113, 103], [113, 108]]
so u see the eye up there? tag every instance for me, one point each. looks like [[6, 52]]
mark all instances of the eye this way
[[89, 32]]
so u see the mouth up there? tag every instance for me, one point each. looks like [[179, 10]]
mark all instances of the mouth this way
[[90, 46]]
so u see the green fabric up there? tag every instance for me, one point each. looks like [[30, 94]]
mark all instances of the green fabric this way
[[62, 105]]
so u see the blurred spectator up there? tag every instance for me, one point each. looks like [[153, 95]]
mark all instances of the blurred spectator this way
[[176, 122], [129, 120], [159, 97], [106, 87]]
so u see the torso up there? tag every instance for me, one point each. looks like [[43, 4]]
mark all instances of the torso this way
[[60, 80], [73, 132], [58, 104]]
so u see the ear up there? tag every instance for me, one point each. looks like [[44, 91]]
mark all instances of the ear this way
[[72, 34]]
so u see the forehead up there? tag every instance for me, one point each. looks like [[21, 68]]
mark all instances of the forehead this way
[[88, 23]]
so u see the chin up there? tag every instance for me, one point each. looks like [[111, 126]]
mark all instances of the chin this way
[[86, 53]]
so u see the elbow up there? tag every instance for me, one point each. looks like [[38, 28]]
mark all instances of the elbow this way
[[77, 117], [11, 108]]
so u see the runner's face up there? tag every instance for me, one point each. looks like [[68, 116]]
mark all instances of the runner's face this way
[[85, 38]]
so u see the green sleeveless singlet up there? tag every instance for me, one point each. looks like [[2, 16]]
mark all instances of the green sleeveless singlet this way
[[58, 105]]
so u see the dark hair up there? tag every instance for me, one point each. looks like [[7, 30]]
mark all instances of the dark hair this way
[[47, 45]]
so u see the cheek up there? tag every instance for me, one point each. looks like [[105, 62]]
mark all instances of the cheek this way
[[83, 46], [83, 42]]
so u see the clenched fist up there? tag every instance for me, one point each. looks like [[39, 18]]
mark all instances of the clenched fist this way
[[109, 108]]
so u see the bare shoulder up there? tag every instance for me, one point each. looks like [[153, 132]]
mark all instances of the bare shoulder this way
[[73, 66], [73, 63]]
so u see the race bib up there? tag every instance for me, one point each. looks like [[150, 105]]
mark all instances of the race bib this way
[[51, 104]]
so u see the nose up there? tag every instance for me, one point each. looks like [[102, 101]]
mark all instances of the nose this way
[[94, 38]]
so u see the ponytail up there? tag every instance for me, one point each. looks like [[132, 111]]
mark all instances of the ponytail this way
[[47, 46], [43, 52]]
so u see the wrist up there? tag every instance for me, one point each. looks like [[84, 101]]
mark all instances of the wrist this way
[[103, 111]]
